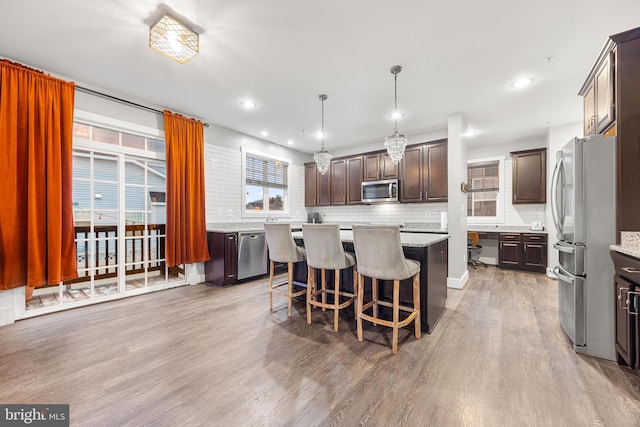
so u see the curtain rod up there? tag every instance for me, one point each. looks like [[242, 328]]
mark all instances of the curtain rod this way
[[123, 101]]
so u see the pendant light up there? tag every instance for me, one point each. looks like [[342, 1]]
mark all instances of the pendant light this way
[[322, 157], [396, 143]]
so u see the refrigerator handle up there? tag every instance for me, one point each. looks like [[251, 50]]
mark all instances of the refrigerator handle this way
[[554, 196], [562, 184], [559, 275], [562, 248]]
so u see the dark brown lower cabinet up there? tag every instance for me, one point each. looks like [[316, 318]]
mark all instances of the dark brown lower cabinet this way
[[625, 327], [509, 254], [626, 284], [523, 251], [222, 268]]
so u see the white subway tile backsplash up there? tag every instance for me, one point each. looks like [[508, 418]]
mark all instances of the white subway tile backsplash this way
[[383, 213]]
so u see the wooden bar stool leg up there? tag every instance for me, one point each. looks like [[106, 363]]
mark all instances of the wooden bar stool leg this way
[[310, 271], [271, 285], [324, 288], [396, 315], [359, 304], [374, 293], [416, 303], [336, 299], [290, 271]]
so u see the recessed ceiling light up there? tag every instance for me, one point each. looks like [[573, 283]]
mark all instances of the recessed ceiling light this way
[[470, 133], [290, 142], [397, 115], [264, 133], [520, 83], [320, 135], [248, 104]]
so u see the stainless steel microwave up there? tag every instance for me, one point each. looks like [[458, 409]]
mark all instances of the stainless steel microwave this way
[[380, 191]]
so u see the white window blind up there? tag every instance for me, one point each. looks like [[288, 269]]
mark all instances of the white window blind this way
[[266, 172], [484, 184]]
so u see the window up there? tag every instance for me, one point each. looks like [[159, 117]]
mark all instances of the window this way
[[265, 184], [485, 180], [119, 194]]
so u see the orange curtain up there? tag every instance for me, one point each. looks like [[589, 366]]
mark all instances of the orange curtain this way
[[36, 217], [186, 240]]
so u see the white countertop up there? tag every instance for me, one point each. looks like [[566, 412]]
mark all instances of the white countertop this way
[[235, 227], [418, 240]]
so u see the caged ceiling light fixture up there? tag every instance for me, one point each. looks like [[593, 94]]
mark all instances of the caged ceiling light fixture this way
[[322, 157], [173, 38], [396, 143]]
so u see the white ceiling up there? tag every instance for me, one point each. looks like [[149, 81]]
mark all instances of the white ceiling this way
[[457, 55]]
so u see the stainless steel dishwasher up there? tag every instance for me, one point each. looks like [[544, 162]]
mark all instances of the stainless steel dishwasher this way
[[252, 254]]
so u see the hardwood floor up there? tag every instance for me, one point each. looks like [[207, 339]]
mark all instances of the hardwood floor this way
[[204, 355]]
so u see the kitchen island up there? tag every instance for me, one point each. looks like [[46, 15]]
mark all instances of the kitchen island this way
[[430, 250]]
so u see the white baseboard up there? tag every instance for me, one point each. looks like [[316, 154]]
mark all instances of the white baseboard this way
[[551, 274], [458, 283]]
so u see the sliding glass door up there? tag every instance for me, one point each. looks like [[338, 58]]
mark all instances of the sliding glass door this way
[[119, 186]]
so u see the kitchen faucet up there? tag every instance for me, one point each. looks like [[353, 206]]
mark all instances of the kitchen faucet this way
[[271, 219]]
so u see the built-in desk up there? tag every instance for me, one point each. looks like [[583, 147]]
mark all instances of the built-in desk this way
[[431, 250], [516, 248]]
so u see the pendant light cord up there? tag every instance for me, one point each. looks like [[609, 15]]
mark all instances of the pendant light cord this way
[[395, 99], [322, 99]]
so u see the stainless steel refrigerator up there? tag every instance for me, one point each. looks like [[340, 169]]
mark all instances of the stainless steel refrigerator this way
[[583, 210]]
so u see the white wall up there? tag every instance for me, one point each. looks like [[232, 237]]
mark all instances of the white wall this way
[[457, 207]]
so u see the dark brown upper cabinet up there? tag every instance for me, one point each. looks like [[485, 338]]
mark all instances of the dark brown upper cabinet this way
[[411, 176], [339, 182], [529, 176], [310, 185], [379, 166], [599, 95], [317, 187], [436, 173], [324, 188], [423, 173], [354, 180]]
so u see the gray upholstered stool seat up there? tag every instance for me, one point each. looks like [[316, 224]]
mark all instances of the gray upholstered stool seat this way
[[325, 252], [282, 248], [380, 257]]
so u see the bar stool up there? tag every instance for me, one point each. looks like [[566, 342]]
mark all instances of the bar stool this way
[[380, 257], [325, 252], [282, 248]]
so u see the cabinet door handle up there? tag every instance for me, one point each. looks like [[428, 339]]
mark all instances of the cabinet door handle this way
[[500, 245], [631, 270], [525, 247], [626, 291], [626, 306], [629, 308]]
